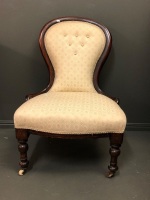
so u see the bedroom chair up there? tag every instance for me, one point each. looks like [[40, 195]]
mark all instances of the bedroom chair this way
[[72, 106]]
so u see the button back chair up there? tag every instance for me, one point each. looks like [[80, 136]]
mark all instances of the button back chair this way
[[72, 105]]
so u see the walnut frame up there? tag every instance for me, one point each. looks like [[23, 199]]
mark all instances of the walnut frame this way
[[116, 139]]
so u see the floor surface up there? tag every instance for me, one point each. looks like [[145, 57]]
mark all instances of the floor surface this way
[[74, 169]]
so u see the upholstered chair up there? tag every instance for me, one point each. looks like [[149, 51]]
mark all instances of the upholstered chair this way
[[72, 105]]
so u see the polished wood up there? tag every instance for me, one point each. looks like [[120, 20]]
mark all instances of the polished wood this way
[[115, 144], [69, 136], [22, 137], [115, 138]]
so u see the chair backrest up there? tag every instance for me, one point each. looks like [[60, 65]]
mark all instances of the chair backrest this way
[[74, 49]]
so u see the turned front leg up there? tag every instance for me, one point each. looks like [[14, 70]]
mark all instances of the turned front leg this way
[[22, 136], [115, 143]]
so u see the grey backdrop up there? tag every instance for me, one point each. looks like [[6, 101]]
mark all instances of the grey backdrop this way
[[126, 73]]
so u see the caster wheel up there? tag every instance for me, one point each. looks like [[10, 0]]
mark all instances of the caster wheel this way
[[110, 174], [21, 172]]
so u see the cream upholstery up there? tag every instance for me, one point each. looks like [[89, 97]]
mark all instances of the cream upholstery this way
[[72, 106], [71, 112], [74, 48]]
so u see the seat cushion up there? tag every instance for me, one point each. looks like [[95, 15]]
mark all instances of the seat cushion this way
[[71, 113]]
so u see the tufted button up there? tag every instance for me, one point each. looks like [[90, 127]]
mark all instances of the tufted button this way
[[87, 36], [70, 44], [75, 53], [76, 35], [82, 44], [65, 34]]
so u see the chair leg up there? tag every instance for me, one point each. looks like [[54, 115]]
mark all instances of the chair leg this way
[[22, 137], [115, 143]]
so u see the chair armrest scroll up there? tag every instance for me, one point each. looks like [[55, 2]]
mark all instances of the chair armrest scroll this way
[[30, 96], [117, 100]]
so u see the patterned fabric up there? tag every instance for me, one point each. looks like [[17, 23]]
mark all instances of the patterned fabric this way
[[70, 113], [74, 48]]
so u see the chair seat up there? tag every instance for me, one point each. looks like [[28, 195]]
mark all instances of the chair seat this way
[[71, 113]]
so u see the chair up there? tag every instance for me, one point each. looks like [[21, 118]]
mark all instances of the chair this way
[[72, 105]]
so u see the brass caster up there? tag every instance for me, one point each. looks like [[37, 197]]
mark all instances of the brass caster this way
[[110, 174], [21, 172]]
